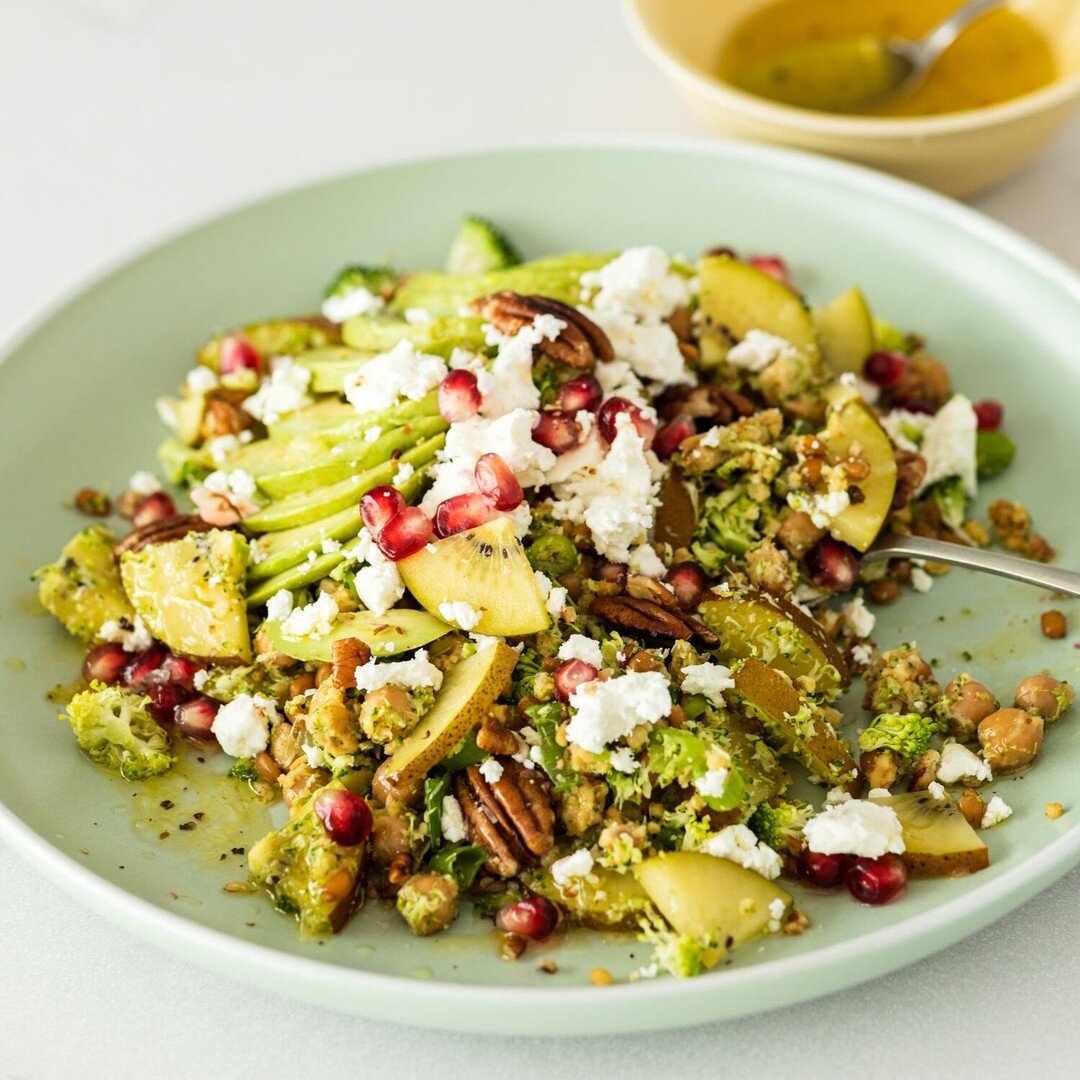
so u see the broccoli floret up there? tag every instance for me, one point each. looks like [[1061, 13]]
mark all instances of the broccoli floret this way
[[679, 756], [779, 822], [115, 730], [479, 247], [376, 279], [905, 734], [244, 769], [951, 500], [684, 956], [727, 525]]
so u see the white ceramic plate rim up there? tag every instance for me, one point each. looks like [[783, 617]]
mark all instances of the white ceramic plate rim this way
[[954, 919]]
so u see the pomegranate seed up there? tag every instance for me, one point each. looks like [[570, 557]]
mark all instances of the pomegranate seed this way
[[195, 717], [772, 265], [584, 392], [145, 669], [535, 917], [179, 670], [570, 675], [671, 435], [824, 870], [153, 508], [238, 354], [459, 396], [876, 881], [346, 817], [557, 430], [164, 700], [689, 582], [379, 505], [461, 512], [989, 415], [832, 565], [405, 533], [105, 663], [613, 572], [497, 482], [884, 368], [613, 408]]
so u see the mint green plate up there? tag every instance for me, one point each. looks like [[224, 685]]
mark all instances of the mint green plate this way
[[76, 395]]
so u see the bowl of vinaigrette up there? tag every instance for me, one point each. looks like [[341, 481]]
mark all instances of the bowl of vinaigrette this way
[[993, 100]]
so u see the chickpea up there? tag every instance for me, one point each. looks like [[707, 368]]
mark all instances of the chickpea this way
[[967, 703], [971, 805], [1010, 738], [884, 591], [428, 902], [1045, 696], [391, 836], [798, 533], [1053, 625]]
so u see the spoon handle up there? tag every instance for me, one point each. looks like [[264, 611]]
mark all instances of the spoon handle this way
[[944, 34], [1056, 578]]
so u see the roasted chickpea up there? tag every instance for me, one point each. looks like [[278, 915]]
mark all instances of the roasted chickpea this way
[[391, 836], [1044, 695], [966, 704], [428, 902], [1010, 738]]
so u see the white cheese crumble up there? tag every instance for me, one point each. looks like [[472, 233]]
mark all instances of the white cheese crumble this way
[[509, 385], [777, 908], [452, 821], [373, 434], [283, 392], [862, 654], [313, 620], [622, 759], [415, 315], [144, 483], [484, 641], [650, 348], [202, 677], [936, 791], [554, 595], [822, 507], [279, 605], [860, 618], [201, 380], [133, 636], [921, 581], [314, 754], [855, 827], [607, 711], [242, 726], [866, 390], [580, 647], [352, 302], [997, 811], [878, 793], [712, 784], [959, 763], [405, 472], [460, 613], [708, 679], [836, 795], [738, 844], [640, 282], [644, 560], [409, 674], [236, 482], [491, 770], [947, 440], [387, 378], [330, 546], [759, 349], [577, 865]]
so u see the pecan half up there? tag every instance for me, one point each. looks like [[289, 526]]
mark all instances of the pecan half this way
[[223, 414], [642, 587], [496, 738], [647, 617], [512, 817], [707, 402], [910, 470], [161, 531], [346, 655], [581, 343]]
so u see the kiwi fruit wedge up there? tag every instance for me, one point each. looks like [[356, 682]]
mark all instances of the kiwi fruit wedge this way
[[488, 569], [938, 840]]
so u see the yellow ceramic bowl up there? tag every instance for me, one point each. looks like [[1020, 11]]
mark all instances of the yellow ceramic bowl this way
[[958, 153]]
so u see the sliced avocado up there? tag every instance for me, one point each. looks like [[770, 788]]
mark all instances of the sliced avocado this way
[[83, 589], [337, 421], [296, 577], [275, 552], [380, 333], [394, 632], [329, 367], [190, 593], [276, 337]]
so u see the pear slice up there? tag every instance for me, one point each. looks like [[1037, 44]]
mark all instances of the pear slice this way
[[470, 689], [795, 723], [853, 431], [703, 895], [604, 900], [845, 330], [939, 841], [486, 568], [393, 632], [753, 623]]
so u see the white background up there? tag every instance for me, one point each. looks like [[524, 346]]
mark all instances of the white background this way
[[123, 120]]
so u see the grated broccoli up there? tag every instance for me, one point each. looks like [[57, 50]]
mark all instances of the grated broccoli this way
[[951, 500], [684, 956], [778, 822], [907, 734], [727, 525], [115, 730]]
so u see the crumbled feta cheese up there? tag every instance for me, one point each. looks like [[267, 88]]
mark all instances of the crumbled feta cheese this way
[[836, 795], [921, 581], [617, 379], [855, 827], [404, 472], [554, 595], [777, 909], [936, 791], [379, 586], [607, 711], [283, 392], [621, 759], [491, 770], [316, 759], [144, 483], [577, 865], [821, 506], [242, 726], [330, 546], [738, 844], [133, 636], [946, 440], [712, 784], [862, 654], [408, 674], [201, 678], [997, 811], [959, 763], [759, 349], [878, 793], [484, 641], [866, 390], [221, 446], [313, 620], [579, 647], [860, 618], [640, 282], [708, 679], [415, 315], [644, 560], [352, 302], [460, 613], [385, 379], [509, 385], [651, 349], [201, 380], [452, 821], [373, 434], [279, 605]]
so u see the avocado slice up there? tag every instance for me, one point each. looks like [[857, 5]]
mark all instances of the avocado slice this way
[[83, 588], [296, 577], [394, 632], [276, 337], [190, 593], [274, 553], [339, 421]]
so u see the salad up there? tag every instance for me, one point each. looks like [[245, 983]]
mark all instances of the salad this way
[[535, 585]]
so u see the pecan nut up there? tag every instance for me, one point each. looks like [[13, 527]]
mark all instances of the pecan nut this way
[[910, 470], [496, 738], [709, 402], [346, 655], [581, 343], [648, 617], [174, 527], [223, 414], [512, 817], [643, 587]]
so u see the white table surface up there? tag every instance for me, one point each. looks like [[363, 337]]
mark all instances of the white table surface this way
[[123, 120]]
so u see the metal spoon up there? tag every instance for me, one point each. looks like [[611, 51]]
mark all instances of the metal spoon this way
[[1056, 578]]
